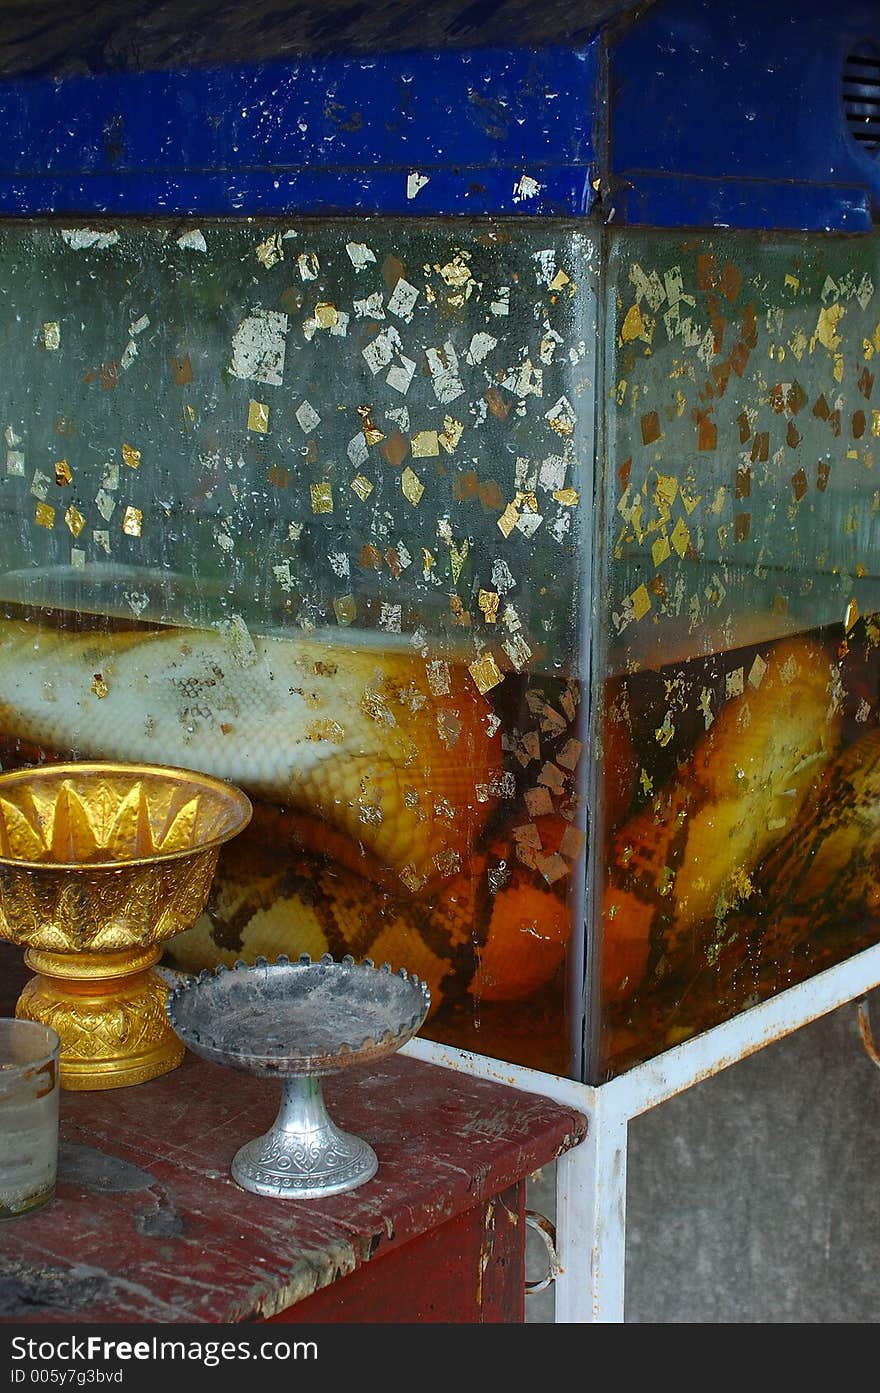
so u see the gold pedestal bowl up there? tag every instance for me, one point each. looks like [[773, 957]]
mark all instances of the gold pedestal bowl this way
[[99, 864]]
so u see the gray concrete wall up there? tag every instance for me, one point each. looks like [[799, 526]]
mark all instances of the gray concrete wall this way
[[755, 1196]]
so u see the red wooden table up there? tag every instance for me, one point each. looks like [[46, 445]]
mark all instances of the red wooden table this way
[[148, 1225]]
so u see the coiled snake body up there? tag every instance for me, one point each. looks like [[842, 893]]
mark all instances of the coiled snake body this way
[[371, 770], [768, 834]]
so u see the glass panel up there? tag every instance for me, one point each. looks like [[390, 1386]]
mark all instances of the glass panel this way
[[739, 615], [300, 505]]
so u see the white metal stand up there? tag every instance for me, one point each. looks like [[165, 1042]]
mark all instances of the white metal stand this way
[[591, 1178]]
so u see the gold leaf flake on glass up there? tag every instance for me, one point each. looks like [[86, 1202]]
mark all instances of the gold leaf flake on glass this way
[[345, 609], [485, 672], [517, 650], [425, 444], [570, 753], [538, 801], [132, 522], [452, 433], [666, 880], [680, 537], [322, 497], [362, 487], [567, 497], [527, 835], [457, 558], [664, 733], [438, 677], [99, 686], [44, 515], [573, 842], [131, 455], [488, 601], [553, 867], [63, 473], [447, 862], [734, 683], [75, 520], [641, 601], [660, 551], [826, 327], [411, 879], [326, 730], [258, 417], [412, 486], [52, 335], [271, 250], [562, 423], [689, 500], [508, 519], [456, 273], [632, 324], [528, 501], [665, 491]]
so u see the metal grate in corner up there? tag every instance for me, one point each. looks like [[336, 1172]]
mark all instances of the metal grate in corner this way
[[861, 95]]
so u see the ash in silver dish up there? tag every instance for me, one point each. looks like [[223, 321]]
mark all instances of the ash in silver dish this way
[[297, 1021]]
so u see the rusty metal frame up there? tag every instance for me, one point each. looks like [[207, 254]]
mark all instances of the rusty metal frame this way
[[591, 1178]]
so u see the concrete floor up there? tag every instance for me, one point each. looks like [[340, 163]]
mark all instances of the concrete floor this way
[[755, 1196]]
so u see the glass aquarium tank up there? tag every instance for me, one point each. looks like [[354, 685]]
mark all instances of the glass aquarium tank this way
[[739, 625], [518, 557], [298, 504]]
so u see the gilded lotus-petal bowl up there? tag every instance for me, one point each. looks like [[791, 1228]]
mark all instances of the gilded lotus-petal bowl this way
[[99, 864]]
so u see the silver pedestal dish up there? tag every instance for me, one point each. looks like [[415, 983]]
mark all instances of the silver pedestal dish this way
[[297, 1021]]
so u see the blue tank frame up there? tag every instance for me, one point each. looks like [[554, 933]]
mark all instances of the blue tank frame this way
[[685, 114]]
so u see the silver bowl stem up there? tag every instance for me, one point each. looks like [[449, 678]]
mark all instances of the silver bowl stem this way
[[304, 1154]]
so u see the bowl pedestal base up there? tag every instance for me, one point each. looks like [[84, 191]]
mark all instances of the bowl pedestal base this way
[[109, 1009], [304, 1155]]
